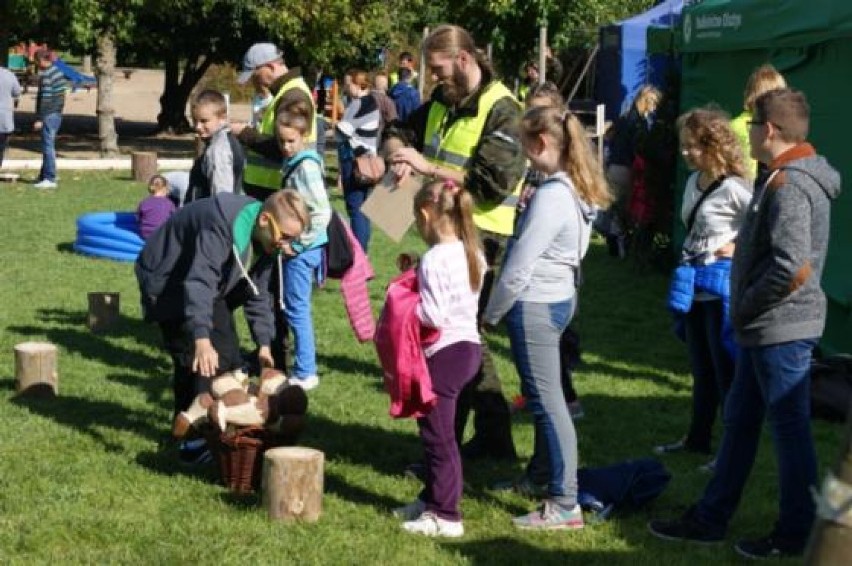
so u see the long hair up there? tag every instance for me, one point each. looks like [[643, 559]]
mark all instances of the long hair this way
[[576, 155], [710, 128], [449, 38], [452, 205]]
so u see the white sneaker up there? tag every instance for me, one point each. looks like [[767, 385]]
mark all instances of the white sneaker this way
[[45, 184], [411, 511], [431, 525], [306, 383]]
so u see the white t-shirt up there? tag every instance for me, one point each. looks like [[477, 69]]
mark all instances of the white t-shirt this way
[[718, 220], [446, 300]]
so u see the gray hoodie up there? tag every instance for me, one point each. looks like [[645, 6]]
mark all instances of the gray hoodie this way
[[780, 254]]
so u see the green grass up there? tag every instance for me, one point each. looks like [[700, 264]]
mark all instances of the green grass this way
[[90, 477]]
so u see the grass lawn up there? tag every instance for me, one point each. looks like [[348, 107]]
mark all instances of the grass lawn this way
[[91, 476]]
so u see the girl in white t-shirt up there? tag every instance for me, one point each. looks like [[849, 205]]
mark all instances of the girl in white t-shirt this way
[[715, 201], [450, 278]]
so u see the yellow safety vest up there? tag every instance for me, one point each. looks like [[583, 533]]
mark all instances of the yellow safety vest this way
[[264, 172], [454, 147]]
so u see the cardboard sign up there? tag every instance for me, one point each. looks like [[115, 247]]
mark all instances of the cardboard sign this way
[[391, 207]]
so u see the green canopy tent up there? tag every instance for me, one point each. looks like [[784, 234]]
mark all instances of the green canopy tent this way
[[810, 42]]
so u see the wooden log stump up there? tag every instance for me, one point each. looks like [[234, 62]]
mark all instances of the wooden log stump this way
[[293, 483], [103, 311], [143, 164], [36, 369]]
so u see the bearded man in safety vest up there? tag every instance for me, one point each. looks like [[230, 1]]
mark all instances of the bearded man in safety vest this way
[[264, 65], [468, 133]]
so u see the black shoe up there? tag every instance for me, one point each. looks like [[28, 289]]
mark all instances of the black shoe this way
[[769, 547], [194, 453], [416, 471], [686, 528]]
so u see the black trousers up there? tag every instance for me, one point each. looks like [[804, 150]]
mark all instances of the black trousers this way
[[179, 342], [492, 423], [280, 340]]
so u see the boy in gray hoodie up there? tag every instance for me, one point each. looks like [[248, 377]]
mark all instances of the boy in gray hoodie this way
[[778, 313]]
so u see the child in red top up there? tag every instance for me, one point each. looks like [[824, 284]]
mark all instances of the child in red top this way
[[449, 278]]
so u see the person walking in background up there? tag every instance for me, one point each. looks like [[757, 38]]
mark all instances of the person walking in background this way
[[303, 173], [536, 293], [220, 168], [626, 133], [156, 208], [50, 101], [778, 312], [10, 93], [449, 279], [468, 133], [715, 201], [405, 96], [763, 79], [357, 134]]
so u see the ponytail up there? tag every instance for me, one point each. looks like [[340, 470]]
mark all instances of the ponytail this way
[[577, 158], [452, 205]]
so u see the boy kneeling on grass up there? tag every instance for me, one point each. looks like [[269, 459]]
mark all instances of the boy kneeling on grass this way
[[197, 268]]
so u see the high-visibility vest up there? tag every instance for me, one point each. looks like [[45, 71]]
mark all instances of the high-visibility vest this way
[[261, 171], [454, 147]]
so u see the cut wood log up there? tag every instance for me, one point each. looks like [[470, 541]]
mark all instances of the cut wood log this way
[[104, 309], [144, 165], [36, 369], [293, 483]]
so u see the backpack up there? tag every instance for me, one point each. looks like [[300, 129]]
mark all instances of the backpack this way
[[338, 253], [831, 388], [631, 484]]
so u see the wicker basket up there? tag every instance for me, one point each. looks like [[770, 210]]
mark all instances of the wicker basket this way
[[239, 452]]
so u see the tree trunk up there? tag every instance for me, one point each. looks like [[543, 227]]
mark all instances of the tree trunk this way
[[36, 369], [831, 541], [105, 67], [178, 88], [293, 483]]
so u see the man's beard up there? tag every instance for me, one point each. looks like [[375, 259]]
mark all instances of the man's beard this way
[[456, 87]]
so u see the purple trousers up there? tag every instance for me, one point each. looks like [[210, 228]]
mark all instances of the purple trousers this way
[[450, 368]]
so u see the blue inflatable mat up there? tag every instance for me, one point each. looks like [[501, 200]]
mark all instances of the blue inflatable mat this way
[[111, 235]]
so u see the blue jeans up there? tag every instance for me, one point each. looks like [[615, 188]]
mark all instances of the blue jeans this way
[[712, 369], [773, 381], [299, 275], [49, 129], [534, 332], [354, 195]]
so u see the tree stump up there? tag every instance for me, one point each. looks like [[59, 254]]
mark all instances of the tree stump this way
[[293, 483], [36, 369], [143, 164], [103, 311]]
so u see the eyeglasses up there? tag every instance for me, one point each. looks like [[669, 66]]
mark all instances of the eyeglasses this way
[[278, 235]]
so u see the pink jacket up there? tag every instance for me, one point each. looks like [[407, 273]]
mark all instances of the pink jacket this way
[[356, 296], [399, 342]]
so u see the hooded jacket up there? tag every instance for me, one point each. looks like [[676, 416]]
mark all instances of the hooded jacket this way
[[543, 257], [200, 254], [780, 254]]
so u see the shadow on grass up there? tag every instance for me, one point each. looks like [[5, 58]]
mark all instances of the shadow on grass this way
[[96, 418], [512, 551]]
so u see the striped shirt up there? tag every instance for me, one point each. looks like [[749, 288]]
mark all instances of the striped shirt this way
[[52, 86]]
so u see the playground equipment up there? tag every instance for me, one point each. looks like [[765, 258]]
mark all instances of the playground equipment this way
[[111, 235]]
